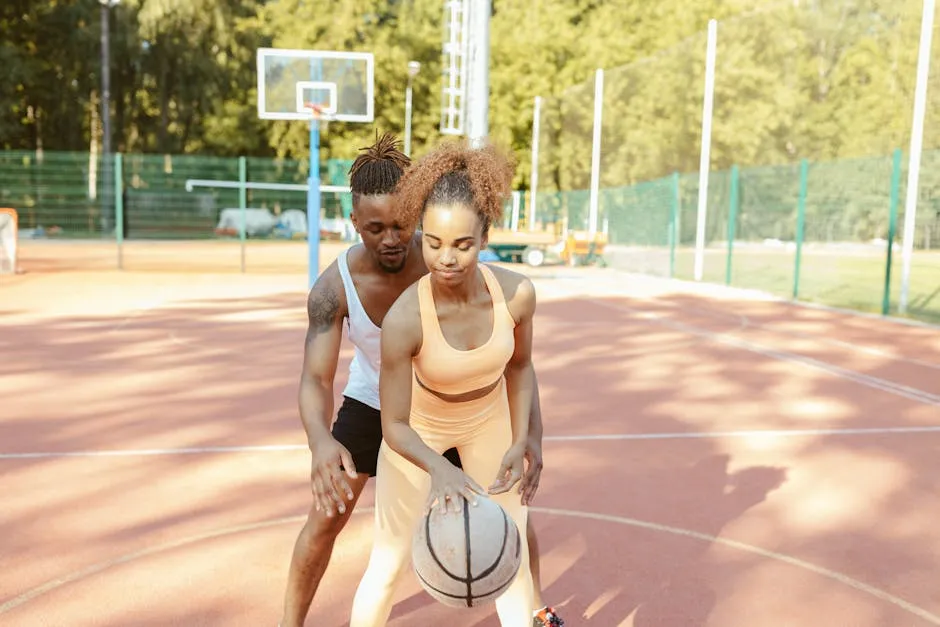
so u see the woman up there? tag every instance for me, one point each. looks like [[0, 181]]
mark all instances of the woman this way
[[456, 372]]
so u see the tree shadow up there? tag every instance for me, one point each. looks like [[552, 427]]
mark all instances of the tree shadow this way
[[650, 572], [224, 372]]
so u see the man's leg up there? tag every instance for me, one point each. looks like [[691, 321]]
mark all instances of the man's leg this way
[[312, 552], [358, 427]]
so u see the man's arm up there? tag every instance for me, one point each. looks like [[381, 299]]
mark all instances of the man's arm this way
[[321, 355], [326, 307]]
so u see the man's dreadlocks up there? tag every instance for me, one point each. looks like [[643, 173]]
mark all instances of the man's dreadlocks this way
[[379, 166]]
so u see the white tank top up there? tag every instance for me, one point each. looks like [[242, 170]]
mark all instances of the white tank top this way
[[363, 384]]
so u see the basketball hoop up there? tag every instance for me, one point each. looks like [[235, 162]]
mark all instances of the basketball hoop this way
[[316, 110], [304, 85]]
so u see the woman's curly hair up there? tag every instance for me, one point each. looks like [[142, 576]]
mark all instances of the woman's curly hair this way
[[457, 173]]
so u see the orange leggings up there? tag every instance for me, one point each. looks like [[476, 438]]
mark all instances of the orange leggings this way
[[482, 432]]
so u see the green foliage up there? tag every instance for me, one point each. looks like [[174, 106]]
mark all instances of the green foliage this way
[[822, 79]]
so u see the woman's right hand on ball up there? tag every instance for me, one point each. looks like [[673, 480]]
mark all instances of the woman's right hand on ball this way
[[448, 484]]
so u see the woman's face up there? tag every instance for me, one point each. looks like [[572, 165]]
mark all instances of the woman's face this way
[[452, 239]]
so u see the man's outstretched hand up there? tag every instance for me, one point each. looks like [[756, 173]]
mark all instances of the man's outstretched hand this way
[[327, 476]]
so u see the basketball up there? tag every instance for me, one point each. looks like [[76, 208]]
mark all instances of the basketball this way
[[470, 558]]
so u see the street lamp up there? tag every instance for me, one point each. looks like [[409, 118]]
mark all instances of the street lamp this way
[[106, 103], [413, 68]]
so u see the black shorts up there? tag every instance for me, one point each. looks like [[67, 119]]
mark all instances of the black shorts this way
[[358, 427]]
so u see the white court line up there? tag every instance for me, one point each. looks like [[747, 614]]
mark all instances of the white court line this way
[[756, 550], [755, 433], [750, 293], [198, 450], [914, 394], [746, 321], [162, 300], [675, 435], [910, 322], [868, 350], [146, 307], [84, 573], [841, 578]]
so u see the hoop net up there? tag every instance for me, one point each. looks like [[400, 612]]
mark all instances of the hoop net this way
[[317, 111]]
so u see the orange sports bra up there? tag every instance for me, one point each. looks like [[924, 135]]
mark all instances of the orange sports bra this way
[[447, 370]]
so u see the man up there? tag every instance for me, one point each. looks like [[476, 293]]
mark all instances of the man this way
[[359, 287]]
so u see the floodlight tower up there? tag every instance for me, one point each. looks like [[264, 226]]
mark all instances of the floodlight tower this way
[[454, 67], [478, 85], [466, 61]]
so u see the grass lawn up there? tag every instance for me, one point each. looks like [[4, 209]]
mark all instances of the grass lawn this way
[[850, 278]]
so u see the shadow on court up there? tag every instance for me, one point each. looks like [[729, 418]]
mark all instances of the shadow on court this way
[[634, 571], [211, 373]]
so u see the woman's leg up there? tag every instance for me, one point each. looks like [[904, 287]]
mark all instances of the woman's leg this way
[[481, 455], [401, 489]]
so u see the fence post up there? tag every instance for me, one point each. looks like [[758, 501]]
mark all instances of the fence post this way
[[674, 225], [732, 220], [800, 225], [243, 205], [705, 158], [119, 207], [514, 216], [917, 144], [892, 229], [534, 175], [596, 153]]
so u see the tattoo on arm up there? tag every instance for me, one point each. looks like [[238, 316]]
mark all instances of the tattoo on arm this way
[[321, 311]]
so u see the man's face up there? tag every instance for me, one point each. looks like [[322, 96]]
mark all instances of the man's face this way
[[382, 236]]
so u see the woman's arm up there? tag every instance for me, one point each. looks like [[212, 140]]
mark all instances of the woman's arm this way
[[520, 386], [533, 454], [401, 341], [520, 373]]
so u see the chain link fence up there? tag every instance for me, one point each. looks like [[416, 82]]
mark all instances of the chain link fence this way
[[812, 108]]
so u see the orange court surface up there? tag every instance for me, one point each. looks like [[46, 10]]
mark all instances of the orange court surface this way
[[712, 457]]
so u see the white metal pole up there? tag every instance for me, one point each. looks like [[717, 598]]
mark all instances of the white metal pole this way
[[413, 68], [408, 91], [596, 151], [917, 142], [534, 176], [705, 162], [479, 92], [514, 222]]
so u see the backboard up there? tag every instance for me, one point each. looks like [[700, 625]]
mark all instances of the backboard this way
[[341, 84]]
